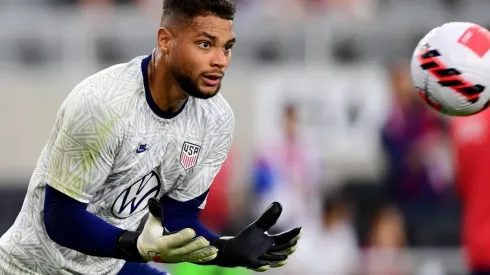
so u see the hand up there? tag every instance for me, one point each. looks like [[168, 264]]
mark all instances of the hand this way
[[284, 244], [156, 244], [254, 248]]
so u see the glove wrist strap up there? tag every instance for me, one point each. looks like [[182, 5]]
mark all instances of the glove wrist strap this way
[[127, 247]]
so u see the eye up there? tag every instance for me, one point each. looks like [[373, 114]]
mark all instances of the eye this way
[[205, 45], [228, 47]]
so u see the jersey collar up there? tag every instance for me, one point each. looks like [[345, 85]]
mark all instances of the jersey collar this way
[[149, 99]]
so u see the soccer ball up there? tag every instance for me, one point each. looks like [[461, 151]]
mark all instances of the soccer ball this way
[[450, 68]]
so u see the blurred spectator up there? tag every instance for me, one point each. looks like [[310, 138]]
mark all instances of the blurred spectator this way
[[286, 171], [471, 143], [408, 135], [418, 166], [352, 9], [332, 249], [216, 214], [386, 254]]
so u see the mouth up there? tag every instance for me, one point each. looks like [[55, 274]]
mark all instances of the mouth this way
[[212, 79]]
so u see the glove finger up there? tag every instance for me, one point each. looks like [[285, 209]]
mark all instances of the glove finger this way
[[287, 251], [278, 264], [203, 255], [190, 247], [269, 217], [272, 258], [207, 259], [176, 239], [262, 268], [288, 236], [282, 247], [258, 265], [155, 208]]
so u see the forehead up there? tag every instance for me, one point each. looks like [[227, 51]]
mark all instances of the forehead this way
[[211, 24]]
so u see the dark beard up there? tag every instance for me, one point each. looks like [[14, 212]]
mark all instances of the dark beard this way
[[190, 87]]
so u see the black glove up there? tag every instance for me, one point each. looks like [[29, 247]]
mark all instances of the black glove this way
[[254, 248]]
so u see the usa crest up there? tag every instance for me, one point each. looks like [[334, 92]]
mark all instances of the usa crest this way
[[188, 156]]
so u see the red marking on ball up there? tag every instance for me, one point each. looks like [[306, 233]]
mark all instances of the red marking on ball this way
[[429, 101], [477, 39]]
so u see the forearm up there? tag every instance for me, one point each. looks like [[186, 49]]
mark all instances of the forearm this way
[[69, 224], [179, 215], [173, 225]]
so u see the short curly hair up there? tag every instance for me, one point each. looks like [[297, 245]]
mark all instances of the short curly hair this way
[[184, 9]]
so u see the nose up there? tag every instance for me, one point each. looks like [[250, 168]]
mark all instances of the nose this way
[[220, 59]]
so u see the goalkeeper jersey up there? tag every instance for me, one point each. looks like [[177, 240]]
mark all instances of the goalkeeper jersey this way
[[112, 148]]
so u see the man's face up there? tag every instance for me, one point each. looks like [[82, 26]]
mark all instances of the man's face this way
[[200, 53]]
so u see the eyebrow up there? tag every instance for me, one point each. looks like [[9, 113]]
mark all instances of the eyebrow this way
[[214, 38]]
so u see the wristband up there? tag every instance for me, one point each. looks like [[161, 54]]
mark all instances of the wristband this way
[[127, 247]]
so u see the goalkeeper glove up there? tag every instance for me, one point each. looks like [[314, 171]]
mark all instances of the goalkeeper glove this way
[[254, 248], [156, 244]]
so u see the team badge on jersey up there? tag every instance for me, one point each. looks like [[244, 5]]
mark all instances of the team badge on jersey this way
[[188, 156]]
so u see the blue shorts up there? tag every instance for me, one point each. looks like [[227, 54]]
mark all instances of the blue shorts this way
[[140, 269]]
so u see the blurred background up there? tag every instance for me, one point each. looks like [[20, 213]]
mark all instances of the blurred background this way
[[327, 121]]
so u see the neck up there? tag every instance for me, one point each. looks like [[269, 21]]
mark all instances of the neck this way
[[164, 89]]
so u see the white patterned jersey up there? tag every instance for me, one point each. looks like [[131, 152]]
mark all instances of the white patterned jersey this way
[[112, 148]]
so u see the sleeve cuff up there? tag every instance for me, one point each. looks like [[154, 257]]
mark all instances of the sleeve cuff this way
[[71, 193]]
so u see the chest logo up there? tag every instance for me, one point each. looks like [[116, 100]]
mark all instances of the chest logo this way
[[188, 156], [141, 148], [135, 198]]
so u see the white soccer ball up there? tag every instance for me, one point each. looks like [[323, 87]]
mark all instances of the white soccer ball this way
[[451, 68]]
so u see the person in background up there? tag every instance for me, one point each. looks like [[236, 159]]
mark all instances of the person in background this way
[[418, 168], [332, 249], [471, 149], [287, 170], [216, 215], [385, 253]]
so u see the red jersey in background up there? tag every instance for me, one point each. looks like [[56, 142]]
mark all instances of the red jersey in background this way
[[471, 141]]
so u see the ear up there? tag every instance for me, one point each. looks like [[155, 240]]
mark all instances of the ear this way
[[163, 39]]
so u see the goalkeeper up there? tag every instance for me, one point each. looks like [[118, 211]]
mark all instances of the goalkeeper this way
[[151, 133]]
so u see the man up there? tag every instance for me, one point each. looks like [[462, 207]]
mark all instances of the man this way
[[287, 170], [154, 127], [471, 144]]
